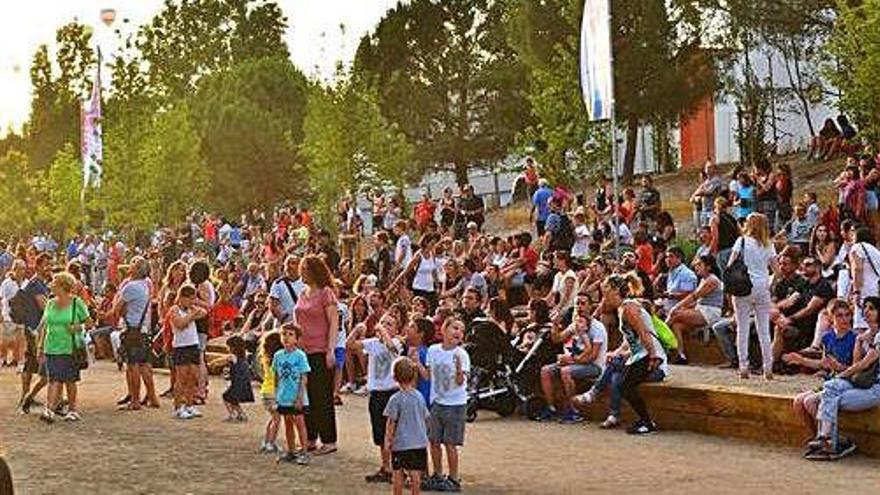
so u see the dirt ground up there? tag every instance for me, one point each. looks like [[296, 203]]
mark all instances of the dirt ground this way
[[112, 452]]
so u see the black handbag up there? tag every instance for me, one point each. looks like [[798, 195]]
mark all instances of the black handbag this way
[[79, 354], [737, 281]]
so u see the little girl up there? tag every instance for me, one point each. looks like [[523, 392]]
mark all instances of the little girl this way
[[239, 381], [271, 344]]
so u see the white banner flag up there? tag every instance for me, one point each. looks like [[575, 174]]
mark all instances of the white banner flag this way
[[92, 142], [597, 76]]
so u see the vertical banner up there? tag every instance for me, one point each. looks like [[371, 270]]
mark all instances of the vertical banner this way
[[91, 139], [597, 77]]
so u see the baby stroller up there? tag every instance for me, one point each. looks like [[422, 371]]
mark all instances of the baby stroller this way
[[491, 385], [527, 373], [502, 377]]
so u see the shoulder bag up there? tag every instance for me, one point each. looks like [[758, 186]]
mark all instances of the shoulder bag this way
[[737, 281], [78, 353]]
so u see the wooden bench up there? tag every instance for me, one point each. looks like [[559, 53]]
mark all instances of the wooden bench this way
[[750, 415]]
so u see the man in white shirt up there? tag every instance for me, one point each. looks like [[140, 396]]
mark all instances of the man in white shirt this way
[[11, 334], [285, 291]]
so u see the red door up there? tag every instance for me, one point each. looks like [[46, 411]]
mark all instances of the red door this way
[[698, 135]]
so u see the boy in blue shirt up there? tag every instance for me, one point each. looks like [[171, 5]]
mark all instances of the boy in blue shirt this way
[[291, 368]]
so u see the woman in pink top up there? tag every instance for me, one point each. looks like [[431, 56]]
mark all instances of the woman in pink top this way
[[317, 314]]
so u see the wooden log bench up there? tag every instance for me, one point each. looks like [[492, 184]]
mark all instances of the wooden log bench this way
[[737, 413]]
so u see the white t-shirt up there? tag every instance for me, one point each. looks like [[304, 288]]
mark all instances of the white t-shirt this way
[[581, 247], [559, 288], [757, 259], [380, 364], [403, 250], [189, 336], [598, 336], [343, 323], [625, 235], [424, 277], [870, 274], [8, 289], [441, 363]]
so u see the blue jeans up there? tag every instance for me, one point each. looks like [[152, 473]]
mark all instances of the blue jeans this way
[[839, 394], [612, 377], [724, 331]]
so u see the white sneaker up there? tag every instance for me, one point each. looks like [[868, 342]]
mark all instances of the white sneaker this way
[[585, 398], [362, 390], [184, 413], [72, 416], [194, 412], [347, 388], [610, 422]]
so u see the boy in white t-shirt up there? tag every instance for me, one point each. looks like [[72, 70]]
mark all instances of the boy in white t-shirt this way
[[448, 365], [381, 350]]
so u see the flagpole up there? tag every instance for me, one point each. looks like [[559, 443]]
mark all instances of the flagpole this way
[[613, 138]]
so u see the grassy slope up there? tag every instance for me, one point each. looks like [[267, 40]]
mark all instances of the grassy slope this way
[[677, 187]]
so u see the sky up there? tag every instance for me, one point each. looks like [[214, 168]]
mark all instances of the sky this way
[[314, 36]]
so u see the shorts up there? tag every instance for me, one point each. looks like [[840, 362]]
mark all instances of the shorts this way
[[187, 355], [134, 349], [61, 368], [710, 313], [378, 400], [292, 410], [31, 362], [270, 405], [409, 460], [446, 424], [339, 354], [579, 372]]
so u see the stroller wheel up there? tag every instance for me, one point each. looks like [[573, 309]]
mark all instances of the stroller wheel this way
[[506, 406], [471, 412]]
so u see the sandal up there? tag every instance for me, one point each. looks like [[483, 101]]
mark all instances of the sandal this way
[[324, 450]]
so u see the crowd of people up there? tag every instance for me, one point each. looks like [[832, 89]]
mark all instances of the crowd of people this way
[[312, 319]]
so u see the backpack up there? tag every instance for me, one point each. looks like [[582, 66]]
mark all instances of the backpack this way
[[664, 333], [563, 240], [23, 306]]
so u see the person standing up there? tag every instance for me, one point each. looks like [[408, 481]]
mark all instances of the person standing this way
[[12, 333], [64, 321], [541, 206], [37, 292], [317, 313], [285, 292], [758, 254], [133, 302]]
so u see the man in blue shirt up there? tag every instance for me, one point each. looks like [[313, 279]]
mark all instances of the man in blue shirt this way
[[680, 281], [541, 204]]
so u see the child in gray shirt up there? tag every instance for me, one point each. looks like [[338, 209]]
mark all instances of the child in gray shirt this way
[[406, 430]]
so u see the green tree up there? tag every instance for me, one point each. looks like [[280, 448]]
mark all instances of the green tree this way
[[567, 145], [855, 44], [54, 118], [447, 77], [19, 194], [350, 146], [250, 119], [62, 208], [189, 39]]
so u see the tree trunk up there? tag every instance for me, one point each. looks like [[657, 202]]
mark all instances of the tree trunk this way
[[461, 172], [629, 158]]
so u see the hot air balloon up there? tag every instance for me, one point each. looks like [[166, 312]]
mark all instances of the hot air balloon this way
[[108, 16]]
